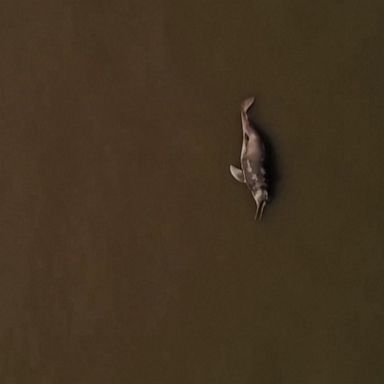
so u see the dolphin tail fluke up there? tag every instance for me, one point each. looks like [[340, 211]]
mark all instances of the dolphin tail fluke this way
[[246, 104]]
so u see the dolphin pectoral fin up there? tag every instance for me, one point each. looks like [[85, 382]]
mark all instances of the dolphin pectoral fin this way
[[237, 173]]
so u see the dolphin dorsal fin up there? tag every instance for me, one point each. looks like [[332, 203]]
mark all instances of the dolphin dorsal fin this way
[[237, 173]]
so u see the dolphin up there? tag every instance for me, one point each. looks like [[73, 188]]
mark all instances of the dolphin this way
[[252, 171]]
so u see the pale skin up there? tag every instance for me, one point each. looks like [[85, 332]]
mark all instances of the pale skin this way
[[252, 171]]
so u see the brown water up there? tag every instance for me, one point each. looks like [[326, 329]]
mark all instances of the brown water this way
[[128, 252]]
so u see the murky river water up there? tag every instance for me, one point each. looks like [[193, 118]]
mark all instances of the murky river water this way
[[128, 252]]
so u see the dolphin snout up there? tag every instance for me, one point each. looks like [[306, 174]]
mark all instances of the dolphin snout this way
[[260, 209], [261, 199]]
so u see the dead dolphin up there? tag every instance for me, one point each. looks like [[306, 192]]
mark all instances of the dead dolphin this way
[[252, 172]]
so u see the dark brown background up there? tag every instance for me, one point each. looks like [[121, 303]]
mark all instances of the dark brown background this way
[[128, 254]]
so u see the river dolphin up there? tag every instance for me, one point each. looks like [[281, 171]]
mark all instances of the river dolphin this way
[[252, 171]]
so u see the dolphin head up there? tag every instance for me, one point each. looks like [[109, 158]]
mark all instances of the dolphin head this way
[[261, 199]]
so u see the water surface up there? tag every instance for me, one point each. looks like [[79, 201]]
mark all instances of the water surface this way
[[128, 252]]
